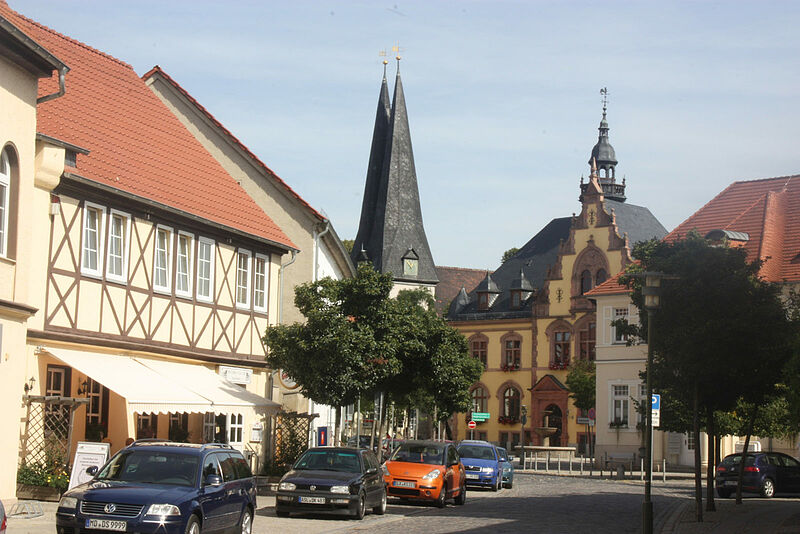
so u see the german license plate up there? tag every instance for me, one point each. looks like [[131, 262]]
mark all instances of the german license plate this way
[[312, 500], [729, 483], [472, 476], [403, 484], [106, 524]]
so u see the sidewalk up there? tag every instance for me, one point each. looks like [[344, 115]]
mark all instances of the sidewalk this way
[[757, 516]]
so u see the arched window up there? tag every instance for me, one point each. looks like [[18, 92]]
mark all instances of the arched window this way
[[561, 341], [479, 399], [511, 402], [586, 281], [478, 348], [600, 277], [5, 200]]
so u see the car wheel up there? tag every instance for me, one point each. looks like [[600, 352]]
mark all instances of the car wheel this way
[[246, 524], [381, 508], [496, 486], [193, 526], [440, 502], [462, 495], [724, 493], [767, 488], [510, 484], [361, 507]]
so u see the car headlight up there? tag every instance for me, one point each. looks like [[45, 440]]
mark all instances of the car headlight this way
[[68, 502], [433, 475], [163, 510], [385, 470], [489, 470], [340, 489], [287, 486]]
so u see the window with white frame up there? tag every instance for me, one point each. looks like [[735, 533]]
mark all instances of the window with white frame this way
[[620, 313], [183, 263], [119, 225], [209, 427], [5, 195], [619, 405], [260, 283], [205, 269], [235, 428], [243, 278], [162, 260], [93, 216]]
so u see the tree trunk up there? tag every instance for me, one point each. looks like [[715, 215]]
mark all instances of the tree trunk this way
[[718, 447], [698, 481], [336, 426], [750, 424], [710, 432]]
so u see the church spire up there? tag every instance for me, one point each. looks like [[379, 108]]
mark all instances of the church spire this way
[[391, 229], [605, 158]]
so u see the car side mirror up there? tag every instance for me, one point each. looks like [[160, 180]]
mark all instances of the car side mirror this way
[[92, 470], [213, 480], [372, 470]]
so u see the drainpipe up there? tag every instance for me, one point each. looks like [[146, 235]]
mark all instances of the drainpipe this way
[[317, 237], [62, 88]]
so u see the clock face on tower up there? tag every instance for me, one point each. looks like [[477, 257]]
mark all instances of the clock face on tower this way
[[410, 266]]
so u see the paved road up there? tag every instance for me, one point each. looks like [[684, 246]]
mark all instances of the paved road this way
[[537, 503]]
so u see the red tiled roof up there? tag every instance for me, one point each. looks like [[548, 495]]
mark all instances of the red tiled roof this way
[[230, 136], [451, 280], [609, 287], [137, 145], [768, 211]]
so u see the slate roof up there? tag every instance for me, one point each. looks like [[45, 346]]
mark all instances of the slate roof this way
[[136, 144], [768, 211], [451, 280], [637, 221], [391, 217]]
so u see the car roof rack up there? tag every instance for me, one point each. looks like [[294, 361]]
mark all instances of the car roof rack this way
[[216, 445], [150, 441]]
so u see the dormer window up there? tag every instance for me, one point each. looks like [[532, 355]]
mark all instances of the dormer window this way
[[516, 298], [487, 293], [520, 290], [483, 301]]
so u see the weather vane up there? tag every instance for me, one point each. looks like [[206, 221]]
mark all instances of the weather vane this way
[[396, 49], [604, 93]]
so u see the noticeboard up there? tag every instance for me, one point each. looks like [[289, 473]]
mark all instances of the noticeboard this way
[[87, 454]]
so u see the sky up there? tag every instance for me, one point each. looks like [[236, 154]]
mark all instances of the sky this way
[[503, 97]]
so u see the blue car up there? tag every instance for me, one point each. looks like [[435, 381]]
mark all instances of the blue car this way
[[481, 464], [507, 467], [766, 473], [163, 487]]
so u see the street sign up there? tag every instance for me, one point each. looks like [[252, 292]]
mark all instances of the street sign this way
[[585, 421], [591, 413], [655, 404], [472, 424], [480, 416]]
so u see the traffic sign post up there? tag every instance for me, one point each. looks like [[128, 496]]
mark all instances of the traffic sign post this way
[[655, 407]]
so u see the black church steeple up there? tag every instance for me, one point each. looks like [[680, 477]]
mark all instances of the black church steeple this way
[[391, 231]]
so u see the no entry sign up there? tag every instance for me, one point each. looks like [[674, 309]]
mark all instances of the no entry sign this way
[[472, 424]]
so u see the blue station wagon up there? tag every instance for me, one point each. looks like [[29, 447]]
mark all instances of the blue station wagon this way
[[164, 487]]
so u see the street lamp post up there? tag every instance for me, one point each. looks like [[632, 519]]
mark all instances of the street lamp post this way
[[651, 290], [523, 420]]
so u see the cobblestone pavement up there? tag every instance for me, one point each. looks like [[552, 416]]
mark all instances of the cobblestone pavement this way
[[537, 503]]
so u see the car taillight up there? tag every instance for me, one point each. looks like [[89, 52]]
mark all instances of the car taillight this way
[[751, 469], [721, 469]]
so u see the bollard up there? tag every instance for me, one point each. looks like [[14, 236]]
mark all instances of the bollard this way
[[570, 462], [547, 464], [582, 459], [664, 469], [641, 470], [559, 462]]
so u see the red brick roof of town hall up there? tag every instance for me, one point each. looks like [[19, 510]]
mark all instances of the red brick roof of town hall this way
[[136, 144], [451, 280]]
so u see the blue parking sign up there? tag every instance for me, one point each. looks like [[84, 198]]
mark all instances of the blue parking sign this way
[[655, 402]]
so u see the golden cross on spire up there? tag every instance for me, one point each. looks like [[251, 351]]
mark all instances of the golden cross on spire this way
[[396, 49]]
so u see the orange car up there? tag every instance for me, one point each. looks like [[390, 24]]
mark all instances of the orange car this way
[[426, 470]]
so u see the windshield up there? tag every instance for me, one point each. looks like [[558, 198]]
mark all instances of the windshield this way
[[347, 462], [151, 467], [477, 452], [418, 454]]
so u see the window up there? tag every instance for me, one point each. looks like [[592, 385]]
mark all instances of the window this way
[[478, 350], [96, 410], [587, 339], [205, 269], [243, 279], [561, 350], [641, 414], [511, 354], [179, 427], [516, 299], [620, 313], [56, 416], [183, 267], [260, 283], [235, 428], [619, 408], [93, 216], [479, 400], [209, 424], [690, 442], [483, 301], [600, 277], [511, 398], [162, 262], [119, 226], [586, 282], [146, 425], [5, 200]]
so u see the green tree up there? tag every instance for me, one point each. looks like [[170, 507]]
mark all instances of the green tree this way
[[508, 254], [582, 384], [348, 245], [719, 335]]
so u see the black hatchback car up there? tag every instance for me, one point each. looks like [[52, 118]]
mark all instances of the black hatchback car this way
[[333, 480], [766, 473], [163, 487]]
